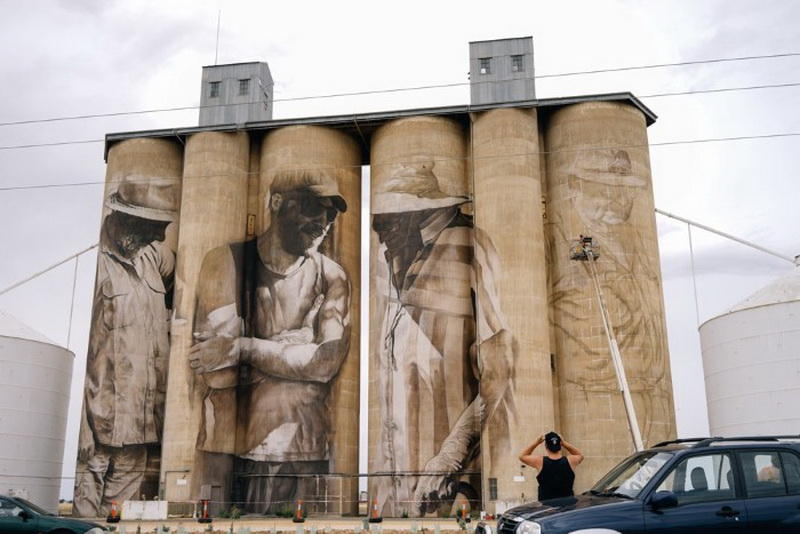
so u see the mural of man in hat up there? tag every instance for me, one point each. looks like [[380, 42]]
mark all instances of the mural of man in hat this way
[[608, 189], [272, 330], [446, 354], [124, 393]]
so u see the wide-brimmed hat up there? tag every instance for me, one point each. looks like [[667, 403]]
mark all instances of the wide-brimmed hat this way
[[148, 197], [412, 187], [317, 182], [610, 167]]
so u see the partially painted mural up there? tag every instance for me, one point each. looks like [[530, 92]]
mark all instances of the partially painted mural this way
[[439, 320], [599, 185], [124, 392], [272, 328], [605, 186]]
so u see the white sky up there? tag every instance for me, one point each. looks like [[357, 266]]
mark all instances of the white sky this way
[[85, 56]]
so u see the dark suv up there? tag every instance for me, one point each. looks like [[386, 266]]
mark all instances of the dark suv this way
[[708, 485]]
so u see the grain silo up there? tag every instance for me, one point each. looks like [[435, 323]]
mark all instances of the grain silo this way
[[35, 376], [599, 184], [751, 357]]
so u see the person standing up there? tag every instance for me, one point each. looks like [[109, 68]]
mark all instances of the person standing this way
[[126, 364], [556, 470], [446, 353], [272, 330]]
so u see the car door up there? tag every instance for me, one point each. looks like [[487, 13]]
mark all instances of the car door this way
[[707, 502], [772, 488], [10, 520]]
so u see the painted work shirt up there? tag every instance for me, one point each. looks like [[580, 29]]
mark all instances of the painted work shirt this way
[[428, 368], [280, 398], [128, 352]]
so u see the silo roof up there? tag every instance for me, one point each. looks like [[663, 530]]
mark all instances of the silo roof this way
[[784, 289], [362, 124], [10, 326]]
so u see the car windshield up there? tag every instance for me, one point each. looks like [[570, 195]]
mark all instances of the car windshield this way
[[33, 507], [631, 476]]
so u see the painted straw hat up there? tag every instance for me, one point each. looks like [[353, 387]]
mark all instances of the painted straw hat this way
[[610, 167], [148, 197], [412, 187]]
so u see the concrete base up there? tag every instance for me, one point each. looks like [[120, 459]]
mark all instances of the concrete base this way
[[261, 525]]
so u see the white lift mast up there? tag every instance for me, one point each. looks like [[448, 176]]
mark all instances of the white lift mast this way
[[584, 251]]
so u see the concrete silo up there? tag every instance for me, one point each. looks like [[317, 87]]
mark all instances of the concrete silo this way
[[35, 376], [423, 381], [320, 157], [599, 184], [213, 213], [751, 358], [508, 208]]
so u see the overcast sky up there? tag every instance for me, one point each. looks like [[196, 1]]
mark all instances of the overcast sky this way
[[84, 56]]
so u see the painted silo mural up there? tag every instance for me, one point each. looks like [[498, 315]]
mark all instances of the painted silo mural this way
[[272, 329], [437, 327], [224, 354], [125, 386]]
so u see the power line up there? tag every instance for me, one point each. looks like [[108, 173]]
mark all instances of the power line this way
[[675, 64], [438, 160], [401, 89], [655, 95], [723, 90], [57, 143]]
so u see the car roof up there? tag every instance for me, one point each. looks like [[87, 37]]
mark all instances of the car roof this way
[[790, 441]]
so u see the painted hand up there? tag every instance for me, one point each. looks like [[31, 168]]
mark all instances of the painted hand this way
[[214, 353], [497, 369], [86, 443], [85, 446], [436, 485]]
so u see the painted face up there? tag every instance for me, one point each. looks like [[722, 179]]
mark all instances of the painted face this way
[[605, 186], [304, 220], [393, 229], [135, 233], [608, 204]]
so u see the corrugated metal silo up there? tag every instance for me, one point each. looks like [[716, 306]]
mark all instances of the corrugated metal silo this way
[[35, 376], [751, 357]]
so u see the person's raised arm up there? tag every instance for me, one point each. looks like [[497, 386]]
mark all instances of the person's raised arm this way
[[574, 456], [528, 458]]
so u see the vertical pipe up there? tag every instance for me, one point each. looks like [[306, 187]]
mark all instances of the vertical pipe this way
[[508, 215], [214, 213], [599, 185]]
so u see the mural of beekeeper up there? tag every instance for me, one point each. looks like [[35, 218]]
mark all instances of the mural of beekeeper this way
[[272, 329], [126, 365], [446, 355], [606, 188]]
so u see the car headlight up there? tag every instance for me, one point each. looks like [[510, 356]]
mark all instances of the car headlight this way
[[529, 527]]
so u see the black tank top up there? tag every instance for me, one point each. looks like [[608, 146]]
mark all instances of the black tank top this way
[[555, 479]]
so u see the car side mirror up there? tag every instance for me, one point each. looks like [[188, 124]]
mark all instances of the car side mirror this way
[[24, 515], [663, 499]]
